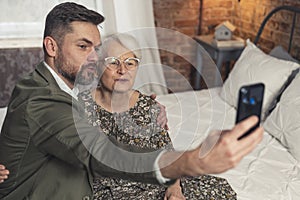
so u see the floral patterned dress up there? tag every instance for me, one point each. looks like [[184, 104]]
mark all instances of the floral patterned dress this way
[[138, 127]]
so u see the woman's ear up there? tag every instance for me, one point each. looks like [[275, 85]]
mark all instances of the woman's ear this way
[[50, 46]]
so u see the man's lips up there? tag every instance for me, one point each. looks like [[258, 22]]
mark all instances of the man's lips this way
[[91, 69], [121, 80]]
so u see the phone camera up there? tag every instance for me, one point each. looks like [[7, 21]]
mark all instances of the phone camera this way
[[252, 101], [244, 90], [245, 100]]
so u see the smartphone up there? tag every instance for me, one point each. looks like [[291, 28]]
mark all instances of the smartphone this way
[[250, 102]]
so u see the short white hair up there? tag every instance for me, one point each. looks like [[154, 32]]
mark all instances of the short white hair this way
[[124, 39]]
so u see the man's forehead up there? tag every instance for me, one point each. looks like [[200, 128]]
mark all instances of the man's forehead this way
[[86, 30]]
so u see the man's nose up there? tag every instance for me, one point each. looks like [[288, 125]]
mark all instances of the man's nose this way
[[93, 56]]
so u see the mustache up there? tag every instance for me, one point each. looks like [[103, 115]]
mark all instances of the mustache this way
[[93, 66]]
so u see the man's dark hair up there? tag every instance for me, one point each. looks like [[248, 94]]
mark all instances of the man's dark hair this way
[[59, 19]]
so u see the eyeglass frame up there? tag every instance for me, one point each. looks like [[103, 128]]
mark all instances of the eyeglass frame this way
[[122, 61]]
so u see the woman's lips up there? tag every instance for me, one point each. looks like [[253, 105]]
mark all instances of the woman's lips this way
[[121, 80]]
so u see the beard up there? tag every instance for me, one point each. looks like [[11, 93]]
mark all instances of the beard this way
[[88, 74], [62, 69]]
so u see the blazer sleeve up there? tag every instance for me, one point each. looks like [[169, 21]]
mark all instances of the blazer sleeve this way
[[59, 129]]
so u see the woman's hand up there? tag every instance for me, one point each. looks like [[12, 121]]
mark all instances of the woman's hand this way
[[162, 120], [174, 192], [3, 173]]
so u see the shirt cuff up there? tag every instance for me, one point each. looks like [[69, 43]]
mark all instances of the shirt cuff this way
[[162, 180], [159, 177]]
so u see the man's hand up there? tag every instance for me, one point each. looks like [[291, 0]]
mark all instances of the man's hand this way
[[229, 150], [162, 116], [174, 192], [3, 173], [223, 155]]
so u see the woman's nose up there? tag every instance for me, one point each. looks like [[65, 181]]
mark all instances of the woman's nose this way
[[122, 68]]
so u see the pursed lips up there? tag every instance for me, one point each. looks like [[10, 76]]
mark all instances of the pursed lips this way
[[121, 80]]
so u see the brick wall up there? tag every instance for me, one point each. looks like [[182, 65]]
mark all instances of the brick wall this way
[[183, 16], [248, 16], [215, 12]]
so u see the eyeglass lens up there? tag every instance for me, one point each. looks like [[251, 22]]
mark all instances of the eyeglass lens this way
[[115, 63]]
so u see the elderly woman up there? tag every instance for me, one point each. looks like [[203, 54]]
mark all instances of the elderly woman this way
[[129, 117]]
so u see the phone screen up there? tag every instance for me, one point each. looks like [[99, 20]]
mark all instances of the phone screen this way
[[250, 102]]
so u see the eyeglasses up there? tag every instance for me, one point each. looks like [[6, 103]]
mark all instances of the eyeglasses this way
[[115, 63]]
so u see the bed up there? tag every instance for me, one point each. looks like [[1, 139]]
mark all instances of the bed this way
[[272, 170]]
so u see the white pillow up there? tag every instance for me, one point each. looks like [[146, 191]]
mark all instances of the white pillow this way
[[284, 121], [255, 66]]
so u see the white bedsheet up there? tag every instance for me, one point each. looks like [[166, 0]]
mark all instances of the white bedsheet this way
[[268, 173], [191, 116]]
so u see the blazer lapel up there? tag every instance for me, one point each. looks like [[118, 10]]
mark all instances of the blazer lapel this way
[[42, 70]]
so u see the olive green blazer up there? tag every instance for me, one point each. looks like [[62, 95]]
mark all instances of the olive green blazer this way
[[52, 152]]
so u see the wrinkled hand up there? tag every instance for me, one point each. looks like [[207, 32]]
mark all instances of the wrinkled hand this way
[[3, 173], [162, 116], [174, 192]]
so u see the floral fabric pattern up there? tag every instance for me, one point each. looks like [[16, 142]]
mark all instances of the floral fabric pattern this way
[[138, 127]]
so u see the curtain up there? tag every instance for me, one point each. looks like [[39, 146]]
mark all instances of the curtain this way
[[132, 16], [136, 17]]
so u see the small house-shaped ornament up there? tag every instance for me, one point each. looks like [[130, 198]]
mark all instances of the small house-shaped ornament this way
[[224, 31]]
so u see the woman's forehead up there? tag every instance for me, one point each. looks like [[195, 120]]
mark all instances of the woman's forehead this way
[[117, 50]]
